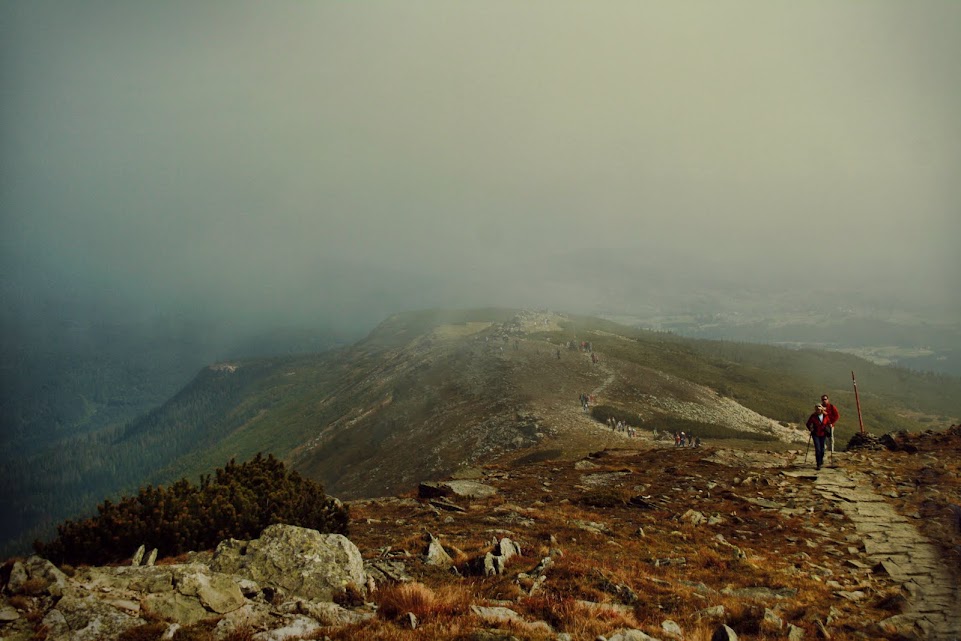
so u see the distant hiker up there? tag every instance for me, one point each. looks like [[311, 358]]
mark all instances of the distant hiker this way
[[594, 358], [558, 353], [697, 442], [677, 439], [819, 427]]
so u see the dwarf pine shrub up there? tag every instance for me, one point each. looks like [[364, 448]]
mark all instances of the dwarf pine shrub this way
[[238, 502]]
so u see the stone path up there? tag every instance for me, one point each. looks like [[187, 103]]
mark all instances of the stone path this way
[[891, 540]]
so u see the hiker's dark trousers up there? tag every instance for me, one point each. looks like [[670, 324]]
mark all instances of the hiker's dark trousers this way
[[819, 448]]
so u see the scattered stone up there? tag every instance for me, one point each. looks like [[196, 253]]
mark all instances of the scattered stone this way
[[671, 628], [715, 612], [444, 504], [724, 633], [631, 635], [894, 603], [771, 621], [436, 555], [8, 613], [761, 593]]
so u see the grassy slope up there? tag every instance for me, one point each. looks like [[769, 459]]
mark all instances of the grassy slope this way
[[784, 384], [293, 400]]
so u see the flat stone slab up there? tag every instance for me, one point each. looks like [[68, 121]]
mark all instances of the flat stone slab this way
[[470, 489], [800, 474]]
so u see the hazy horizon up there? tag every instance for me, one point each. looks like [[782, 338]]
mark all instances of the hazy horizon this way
[[300, 161]]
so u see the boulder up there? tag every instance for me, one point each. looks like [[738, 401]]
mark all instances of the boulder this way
[[465, 488], [436, 554], [298, 560], [216, 592], [36, 576], [176, 608], [87, 618]]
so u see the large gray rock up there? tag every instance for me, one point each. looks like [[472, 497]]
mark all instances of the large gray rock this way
[[89, 619], [297, 560], [176, 607], [216, 592], [37, 576], [467, 489]]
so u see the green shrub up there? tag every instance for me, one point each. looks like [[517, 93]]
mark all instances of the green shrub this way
[[238, 502]]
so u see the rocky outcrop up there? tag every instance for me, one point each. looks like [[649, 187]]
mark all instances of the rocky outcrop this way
[[295, 560], [285, 580]]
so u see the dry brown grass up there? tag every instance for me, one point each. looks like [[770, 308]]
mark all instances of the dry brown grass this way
[[396, 601], [21, 602], [34, 587], [566, 614]]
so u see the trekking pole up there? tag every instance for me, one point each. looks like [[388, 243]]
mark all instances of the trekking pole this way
[[810, 436]]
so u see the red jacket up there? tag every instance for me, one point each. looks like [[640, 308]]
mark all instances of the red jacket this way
[[833, 414], [819, 426]]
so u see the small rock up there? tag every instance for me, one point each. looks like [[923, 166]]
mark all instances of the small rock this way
[[8, 613], [724, 633], [716, 612], [672, 628], [771, 620]]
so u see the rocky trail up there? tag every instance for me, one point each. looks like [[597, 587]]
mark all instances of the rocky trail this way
[[896, 547]]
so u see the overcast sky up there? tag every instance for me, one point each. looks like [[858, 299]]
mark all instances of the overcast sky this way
[[299, 158]]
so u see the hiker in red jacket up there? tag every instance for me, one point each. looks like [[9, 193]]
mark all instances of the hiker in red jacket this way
[[819, 427], [833, 416]]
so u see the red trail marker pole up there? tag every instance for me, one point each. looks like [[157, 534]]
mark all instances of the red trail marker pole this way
[[857, 400]]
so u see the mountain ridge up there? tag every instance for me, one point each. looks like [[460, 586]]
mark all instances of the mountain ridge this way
[[429, 392]]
